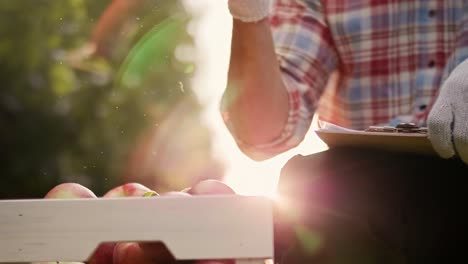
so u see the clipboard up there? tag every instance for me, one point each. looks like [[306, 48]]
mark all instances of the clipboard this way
[[405, 138]]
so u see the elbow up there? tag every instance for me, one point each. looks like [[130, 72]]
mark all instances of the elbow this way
[[258, 138], [269, 151], [255, 120], [265, 151], [257, 155]]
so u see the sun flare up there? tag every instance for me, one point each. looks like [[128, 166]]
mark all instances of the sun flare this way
[[212, 33]]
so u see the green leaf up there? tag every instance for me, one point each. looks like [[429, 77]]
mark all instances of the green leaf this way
[[150, 194]]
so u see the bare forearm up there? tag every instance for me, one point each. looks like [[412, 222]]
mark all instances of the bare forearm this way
[[255, 98]]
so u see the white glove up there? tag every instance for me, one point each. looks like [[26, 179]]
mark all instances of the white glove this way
[[448, 119], [249, 10]]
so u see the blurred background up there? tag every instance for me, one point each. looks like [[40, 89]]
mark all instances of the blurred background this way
[[114, 91]]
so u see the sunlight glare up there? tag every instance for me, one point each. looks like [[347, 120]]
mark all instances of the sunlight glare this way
[[212, 33]]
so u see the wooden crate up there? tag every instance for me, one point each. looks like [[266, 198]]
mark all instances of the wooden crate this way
[[199, 227]]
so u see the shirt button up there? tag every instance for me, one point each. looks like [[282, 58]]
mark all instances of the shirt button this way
[[432, 13], [431, 64]]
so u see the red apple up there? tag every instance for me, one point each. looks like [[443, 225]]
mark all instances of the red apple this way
[[130, 253], [157, 251], [128, 190], [104, 253], [176, 194], [69, 191], [211, 187]]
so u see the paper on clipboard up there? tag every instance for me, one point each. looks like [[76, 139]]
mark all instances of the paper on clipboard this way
[[336, 136]]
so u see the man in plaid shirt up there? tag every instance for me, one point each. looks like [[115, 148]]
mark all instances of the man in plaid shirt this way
[[355, 63]]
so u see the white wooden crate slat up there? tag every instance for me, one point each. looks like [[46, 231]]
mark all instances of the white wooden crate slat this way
[[203, 227]]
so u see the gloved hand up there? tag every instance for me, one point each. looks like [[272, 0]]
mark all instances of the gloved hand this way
[[249, 10], [448, 119]]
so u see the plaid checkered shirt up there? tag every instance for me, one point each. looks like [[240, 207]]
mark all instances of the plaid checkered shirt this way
[[358, 63]]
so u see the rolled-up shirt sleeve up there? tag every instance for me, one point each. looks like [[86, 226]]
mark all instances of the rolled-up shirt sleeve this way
[[307, 57]]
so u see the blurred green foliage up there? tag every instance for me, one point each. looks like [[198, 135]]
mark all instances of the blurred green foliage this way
[[62, 121]]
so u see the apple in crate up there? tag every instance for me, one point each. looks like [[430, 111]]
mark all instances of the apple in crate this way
[[128, 253], [146, 252], [210, 187], [128, 190], [69, 190], [182, 194], [157, 252], [105, 251]]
